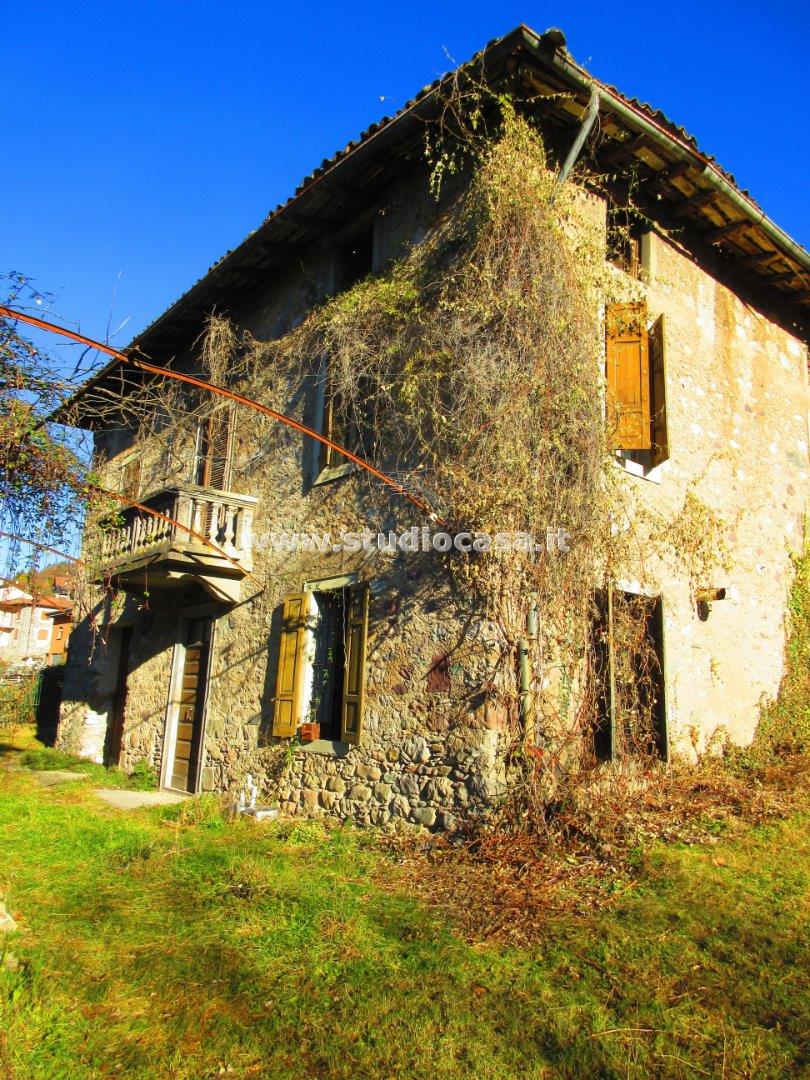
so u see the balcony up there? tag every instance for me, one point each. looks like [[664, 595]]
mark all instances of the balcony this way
[[141, 553]]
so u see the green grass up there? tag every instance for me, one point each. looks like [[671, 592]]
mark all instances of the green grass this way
[[33, 755], [167, 943]]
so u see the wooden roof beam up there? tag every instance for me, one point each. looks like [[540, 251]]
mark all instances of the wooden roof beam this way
[[728, 230], [670, 173], [761, 259], [788, 275], [695, 202]]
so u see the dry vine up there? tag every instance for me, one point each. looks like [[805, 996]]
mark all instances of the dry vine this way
[[471, 370]]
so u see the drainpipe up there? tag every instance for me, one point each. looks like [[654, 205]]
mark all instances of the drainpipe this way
[[587, 123], [526, 695]]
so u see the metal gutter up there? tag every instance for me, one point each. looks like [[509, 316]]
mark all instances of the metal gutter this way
[[573, 72], [583, 133]]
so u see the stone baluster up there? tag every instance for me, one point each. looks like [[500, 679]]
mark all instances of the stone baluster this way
[[246, 537], [213, 528], [229, 543]]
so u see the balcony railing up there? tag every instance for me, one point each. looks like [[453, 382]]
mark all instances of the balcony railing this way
[[223, 518]]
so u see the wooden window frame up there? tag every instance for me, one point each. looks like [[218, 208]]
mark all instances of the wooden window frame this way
[[327, 464], [608, 689], [294, 650]]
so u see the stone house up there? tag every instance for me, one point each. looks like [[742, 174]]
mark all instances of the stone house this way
[[341, 677]]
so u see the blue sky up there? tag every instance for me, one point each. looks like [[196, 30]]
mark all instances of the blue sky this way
[[142, 141], [149, 138]]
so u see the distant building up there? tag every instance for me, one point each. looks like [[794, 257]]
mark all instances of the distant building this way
[[62, 626], [33, 629]]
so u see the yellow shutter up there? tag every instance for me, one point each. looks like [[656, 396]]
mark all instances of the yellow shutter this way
[[354, 679], [658, 404], [627, 373], [287, 702]]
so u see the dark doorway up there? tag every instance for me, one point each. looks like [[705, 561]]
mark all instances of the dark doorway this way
[[627, 656], [328, 663], [50, 698], [188, 739], [115, 729]]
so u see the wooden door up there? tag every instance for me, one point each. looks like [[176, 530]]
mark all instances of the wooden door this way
[[115, 731], [188, 739]]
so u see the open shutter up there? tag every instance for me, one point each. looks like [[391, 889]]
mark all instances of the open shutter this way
[[289, 680], [354, 680], [220, 445], [213, 450], [131, 478], [658, 394], [627, 373], [332, 421], [327, 454]]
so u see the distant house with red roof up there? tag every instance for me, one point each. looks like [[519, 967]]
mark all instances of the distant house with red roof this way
[[33, 629]]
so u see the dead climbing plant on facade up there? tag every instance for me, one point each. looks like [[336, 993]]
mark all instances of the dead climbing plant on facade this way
[[471, 370]]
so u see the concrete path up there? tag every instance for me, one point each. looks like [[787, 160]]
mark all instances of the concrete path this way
[[135, 800], [50, 777]]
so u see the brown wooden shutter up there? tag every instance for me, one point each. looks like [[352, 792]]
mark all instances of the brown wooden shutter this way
[[220, 445], [327, 454], [658, 393], [627, 362], [131, 478], [334, 426], [354, 680], [213, 450], [289, 680]]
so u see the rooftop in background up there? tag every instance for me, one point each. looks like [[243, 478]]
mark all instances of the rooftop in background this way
[[12, 597]]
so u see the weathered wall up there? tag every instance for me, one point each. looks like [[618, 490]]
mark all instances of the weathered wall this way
[[91, 674], [738, 438]]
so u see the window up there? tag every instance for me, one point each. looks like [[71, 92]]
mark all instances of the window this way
[[355, 259], [322, 663], [624, 232], [331, 421], [43, 635], [212, 455], [635, 374], [627, 649]]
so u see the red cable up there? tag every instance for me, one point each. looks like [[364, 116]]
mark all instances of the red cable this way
[[232, 396]]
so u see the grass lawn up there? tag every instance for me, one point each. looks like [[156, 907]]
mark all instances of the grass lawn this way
[[167, 943]]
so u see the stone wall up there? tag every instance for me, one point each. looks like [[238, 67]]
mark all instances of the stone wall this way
[[737, 414]]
